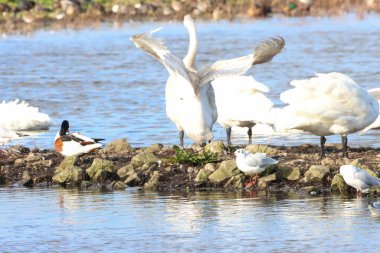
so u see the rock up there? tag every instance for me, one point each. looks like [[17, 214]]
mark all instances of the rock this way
[[66, 172], [120, 146], [85, 184], [210, 168], [152, 184], [201, 176], [360, 163], [118, 185], [125, 171], [264, 181], [328, 161], [142, 159], [288, 173], [312, 190], [133, 180], [254, 148], [227, 169], [19, 163], [338, 184], [42, 164], [235, 181], [316, 173], [190, 169], [154, 148], [215, 147], [33, 157], [375, 190], [25, 181], [100, 170]]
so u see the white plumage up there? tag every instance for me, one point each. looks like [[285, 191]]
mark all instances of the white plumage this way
[[241, 102], [358, 178], [190, 101], [16, 115], [375, 125], [253, 163], [327, 104], [7, 135], [374, 208]]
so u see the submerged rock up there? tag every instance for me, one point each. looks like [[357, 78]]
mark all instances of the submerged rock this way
[[25, 181], [120, 146], [316, 173], [100, 170], [226, 170]]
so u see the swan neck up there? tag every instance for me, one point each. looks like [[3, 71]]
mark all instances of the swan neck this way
[[189, 59]]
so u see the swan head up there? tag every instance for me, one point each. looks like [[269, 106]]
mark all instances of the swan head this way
[[64, 127], [188, 21]]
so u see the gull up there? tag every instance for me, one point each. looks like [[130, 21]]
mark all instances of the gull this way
[[74, 143], [327, 104], [375, 125], [250, 163], [374, 208], [20, 116], [190, 98], [358, 178]]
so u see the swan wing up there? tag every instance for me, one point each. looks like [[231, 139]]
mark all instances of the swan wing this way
[[157, 49], [263, 52]]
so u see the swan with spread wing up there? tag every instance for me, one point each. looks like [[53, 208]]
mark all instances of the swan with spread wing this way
[[190, 98]]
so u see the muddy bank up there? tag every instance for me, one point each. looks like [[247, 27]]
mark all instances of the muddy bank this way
[[159, 168], [28, 15]]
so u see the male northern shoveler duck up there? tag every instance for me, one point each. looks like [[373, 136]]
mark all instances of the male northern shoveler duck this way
[[74, 143]]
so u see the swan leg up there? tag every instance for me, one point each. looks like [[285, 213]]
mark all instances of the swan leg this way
[[249, 135], [323, 141], [228, 131], [181, 134], [344, 146]]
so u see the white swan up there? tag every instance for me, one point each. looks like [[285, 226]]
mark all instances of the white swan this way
[[327, 104], [250, 163], [240, 100], [190, 102], [7, 135], [358, 178], [18, 116], [375, 125], [74, 143]]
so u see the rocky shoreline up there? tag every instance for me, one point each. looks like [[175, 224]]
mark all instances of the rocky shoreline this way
[[163, 168], [28, 15]]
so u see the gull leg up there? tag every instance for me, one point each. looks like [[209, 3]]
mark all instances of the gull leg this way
[[323, 141], [249, 135], [228, 131], [344, 146], [181, 134]]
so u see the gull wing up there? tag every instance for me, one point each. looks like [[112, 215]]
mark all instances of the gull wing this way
[[157, 49], [366, 178], [264, 52]]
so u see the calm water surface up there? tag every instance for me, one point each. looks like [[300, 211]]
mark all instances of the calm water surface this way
[[107, 88], [60, 220]]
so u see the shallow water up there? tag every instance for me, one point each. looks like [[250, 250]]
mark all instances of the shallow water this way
[[60, 220], [107, 88]]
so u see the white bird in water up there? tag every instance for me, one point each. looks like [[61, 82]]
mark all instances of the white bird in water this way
[[190, 99], [7, 135], [327, 104], [374, 208], [253, 163], [74, 143], [20, 116], [358, 178]]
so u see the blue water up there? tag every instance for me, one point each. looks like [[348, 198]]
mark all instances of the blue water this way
[[60, 220], [107, 88]]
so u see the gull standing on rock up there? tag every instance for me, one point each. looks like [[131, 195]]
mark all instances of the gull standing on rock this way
[[74, 143], [190, 99], [253, 163], [327, 104], [358, 178]]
